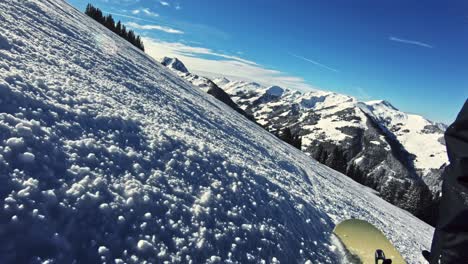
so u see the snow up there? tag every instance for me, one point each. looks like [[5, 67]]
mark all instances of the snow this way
[[310, 100], [113, 156], [15, 142], [175, 64], [205, 197], [221, 81], [4, 43], [329, 125], [102, 250], [232, 87], [409, 130], [144, 246], [358, 160], [26, 157]]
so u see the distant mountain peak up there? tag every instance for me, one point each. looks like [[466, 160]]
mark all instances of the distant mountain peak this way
[[221, 80], [275, 91], [381, 103], [175, 64]]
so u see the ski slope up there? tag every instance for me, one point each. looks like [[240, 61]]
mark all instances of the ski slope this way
[[108, 157]]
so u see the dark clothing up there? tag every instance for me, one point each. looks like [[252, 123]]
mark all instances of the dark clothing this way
[[450, 242]]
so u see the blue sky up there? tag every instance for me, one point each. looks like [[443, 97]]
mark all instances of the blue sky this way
[[411, 53]]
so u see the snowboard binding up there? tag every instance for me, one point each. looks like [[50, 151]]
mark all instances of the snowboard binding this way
[[380, 255]]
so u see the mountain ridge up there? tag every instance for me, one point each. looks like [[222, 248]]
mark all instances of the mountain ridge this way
[[374, 130]]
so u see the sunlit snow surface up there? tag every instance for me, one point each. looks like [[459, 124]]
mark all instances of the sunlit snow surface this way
[[106, 156]]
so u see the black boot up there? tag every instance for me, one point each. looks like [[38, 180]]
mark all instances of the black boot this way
[[426, 254]]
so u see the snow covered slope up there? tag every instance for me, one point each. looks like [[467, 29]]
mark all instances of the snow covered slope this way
[[106, 156]]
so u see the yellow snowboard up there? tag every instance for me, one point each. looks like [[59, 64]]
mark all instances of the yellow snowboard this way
[[363, 239]]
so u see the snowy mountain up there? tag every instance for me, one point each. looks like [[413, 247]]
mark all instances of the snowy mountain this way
[[400, 155], [204, 83], [108, 157], [175, 64]]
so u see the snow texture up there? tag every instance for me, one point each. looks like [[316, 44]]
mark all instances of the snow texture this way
[[107, 157]]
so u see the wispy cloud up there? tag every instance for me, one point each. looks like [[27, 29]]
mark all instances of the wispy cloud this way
[[177, 6], [209, 63], [187, 50], [145, 11], [208, 31], [154, 27], [164, 3], [316, 63], [127, 16], [411, 42]]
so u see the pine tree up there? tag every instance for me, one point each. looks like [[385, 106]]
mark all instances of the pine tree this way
[[355, 173], [324, 157], [359, 175], [319, 153], [99, 16], [109, 22], [391, 191], [88, 10], [131, 36], [351, 171], [118, 28], [124, 32], [338, 160], [139, 43], [288, 137]]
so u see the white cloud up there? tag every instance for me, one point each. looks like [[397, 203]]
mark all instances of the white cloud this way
[[145, 11], [127, 16], [177, 6], [316, 63], [164, 3], [412, 42], [154, 27], [224, 65]]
